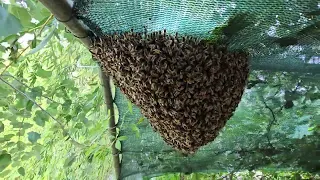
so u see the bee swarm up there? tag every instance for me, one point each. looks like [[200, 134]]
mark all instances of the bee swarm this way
[[187, 88]]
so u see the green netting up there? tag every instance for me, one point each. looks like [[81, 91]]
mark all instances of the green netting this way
[[276, 126], [264, 133], [270, 26]]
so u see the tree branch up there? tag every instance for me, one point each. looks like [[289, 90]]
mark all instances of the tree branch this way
[[8, 75], [23, 50], [271, 123], [56, 120], [274, 120]]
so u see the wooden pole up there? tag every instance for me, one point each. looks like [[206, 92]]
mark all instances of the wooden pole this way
[[112, 125], [62, 10]]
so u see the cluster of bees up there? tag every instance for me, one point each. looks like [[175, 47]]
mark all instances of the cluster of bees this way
[[186, 87]]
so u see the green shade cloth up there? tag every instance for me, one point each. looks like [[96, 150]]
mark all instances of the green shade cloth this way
[[265, 132]]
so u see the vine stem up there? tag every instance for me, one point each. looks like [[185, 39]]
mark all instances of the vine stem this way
[[38, 105], [23, 50]]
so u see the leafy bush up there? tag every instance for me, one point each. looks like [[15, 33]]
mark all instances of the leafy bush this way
[[53, 121]]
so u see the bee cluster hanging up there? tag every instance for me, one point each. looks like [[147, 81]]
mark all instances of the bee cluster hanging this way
[[187, 88]]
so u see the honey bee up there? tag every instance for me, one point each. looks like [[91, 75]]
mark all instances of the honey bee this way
[[187, 88]]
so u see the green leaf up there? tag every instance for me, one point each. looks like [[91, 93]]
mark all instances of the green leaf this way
[[130, 107], [11, 23], [14, 150], [12, 38], [1, 127], [34, 42], [8, 137], [38, 11], [5, 161], [78, 125], [20, 132], [2, 140], [33, 136], [43, 73], [122, 138], [21, 103], [10, 117], [69, 83], [141, 120], [40, 118], [25, 114], [53, 108], [21, 145], [5, 91], [57, 35], [113, 89], [13, 110], [69, 161], [118, 145], [10, 144], [3, 102], [43, 43], [68, 117], [314, 96], [136, 130], [21, 171], [18, 124], [39, 121], [22, 14], [89, 106], [15, 163], [25, 157], [5, 173], [29, 105], [17, 112], [37, 91], [37, 148]]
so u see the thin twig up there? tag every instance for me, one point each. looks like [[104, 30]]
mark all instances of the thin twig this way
[[276, 93], [47, 21], [5, 69], [236, 169], [46, 112], [23, 50], [274, 120], [280, 109], [8, 75], [37, 27], [271, 123]]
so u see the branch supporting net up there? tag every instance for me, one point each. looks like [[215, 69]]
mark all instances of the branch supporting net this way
[[277, 122]]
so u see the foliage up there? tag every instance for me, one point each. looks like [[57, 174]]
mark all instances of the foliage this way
[[236, 23], [265, 135], [275, 128], [239, 175], [53, 122]]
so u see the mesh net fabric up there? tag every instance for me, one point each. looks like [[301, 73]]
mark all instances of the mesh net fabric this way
[[266, 23], [250, 141], [279, 35]]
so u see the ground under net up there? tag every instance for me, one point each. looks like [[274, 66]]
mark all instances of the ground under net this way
[[277, 123]]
